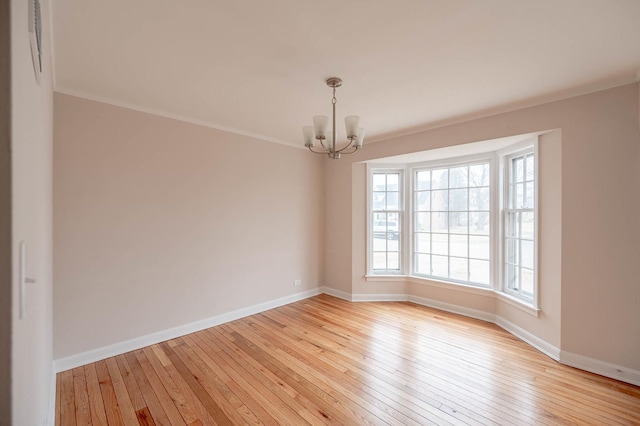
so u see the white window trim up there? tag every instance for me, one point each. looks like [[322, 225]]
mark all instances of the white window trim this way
[[384, 278], [504, 155], [518, 303], [371, 169], [490, 157]]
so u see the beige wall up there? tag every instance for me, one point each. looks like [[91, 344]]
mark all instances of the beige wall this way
[[600, 227], [32, 115], [598, 238], [160, 223]]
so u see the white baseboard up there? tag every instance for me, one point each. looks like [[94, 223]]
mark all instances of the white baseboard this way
[[98, 354], [379, 298], [533, 340], [337, 293], [455, 309], [602, 368]]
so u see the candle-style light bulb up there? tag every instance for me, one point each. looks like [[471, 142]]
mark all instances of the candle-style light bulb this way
[[320, 124], [360, 139], [351, 123], [309, 136]]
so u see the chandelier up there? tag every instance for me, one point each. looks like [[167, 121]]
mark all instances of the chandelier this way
[[318, 131]]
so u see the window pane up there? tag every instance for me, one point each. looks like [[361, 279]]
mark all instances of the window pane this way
[[518, 169], [393, 261], [422, 222], [458, 199], [512, 197], [423, 243], [393, 241], [479, 199], [393, 180], [479, 271], [392, 221], [512, 225], [379, 260], [393, 201], [530, 168], [423, 264], [440, 200], [479, 223], [479, 175], [440, 244], [379, 200], [458, 177], [458, 222], [529, 196], [527, 225], [423, 201], [386, 226], [519, 202], [379, 216], [439, 222], [458, 269], [511, 250], [527, 253], [527, 282], [479, 247], [458, 246], [380, 225], [379, 242], [423, 180], [440, 179], [379, 182], [513, 279], [440, 266]]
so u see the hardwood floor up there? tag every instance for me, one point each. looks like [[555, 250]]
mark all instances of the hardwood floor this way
[[327, 361]]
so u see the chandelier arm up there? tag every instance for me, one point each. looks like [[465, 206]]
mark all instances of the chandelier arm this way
[[323, 147], [316, 152], [355, 148], [349, 145]]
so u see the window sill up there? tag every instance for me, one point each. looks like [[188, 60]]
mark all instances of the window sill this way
[[385, 277], [485, 291], [518, 304]]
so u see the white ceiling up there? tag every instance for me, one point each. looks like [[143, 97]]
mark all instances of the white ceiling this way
[[259, 67]]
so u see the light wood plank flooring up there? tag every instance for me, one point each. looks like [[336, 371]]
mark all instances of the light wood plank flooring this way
[[327, 361]]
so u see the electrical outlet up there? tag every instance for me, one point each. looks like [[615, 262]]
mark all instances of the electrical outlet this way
[[297, 282]]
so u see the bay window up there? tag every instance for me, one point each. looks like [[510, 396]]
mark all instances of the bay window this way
[[465, 222]]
